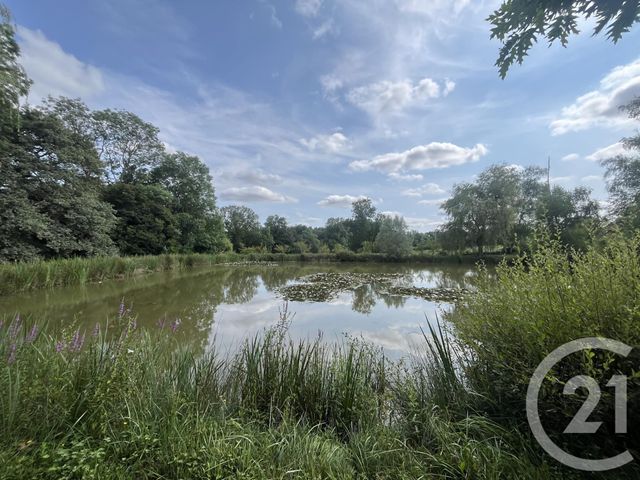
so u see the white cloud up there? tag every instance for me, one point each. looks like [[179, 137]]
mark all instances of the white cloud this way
[[410, 177], [308, 8], [426, 189], [252, 176], [255, 193], [435, 201], [601, 107], [54, 71], [334, 143], [328, 27], [607, 152], [422, 157], [564, 179], [570, 158], [387, 97], [415, 223], [340, 200]]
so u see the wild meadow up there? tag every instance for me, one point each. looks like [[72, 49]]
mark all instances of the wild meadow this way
[[121, 402]]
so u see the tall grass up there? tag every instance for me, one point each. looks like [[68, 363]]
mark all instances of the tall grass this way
[[130, 404], [17, 277]]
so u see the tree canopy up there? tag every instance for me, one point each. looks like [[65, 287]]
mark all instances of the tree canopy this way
[[518, 24]]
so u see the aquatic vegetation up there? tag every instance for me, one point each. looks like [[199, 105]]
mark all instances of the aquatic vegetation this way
[[323, 287]]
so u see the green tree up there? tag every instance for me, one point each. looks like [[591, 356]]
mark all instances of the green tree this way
[[302, 234], [336, 232], [519, 23], [14, 82], [242, 226], [623, 177], [393, 238], [362, 223], [278, 229], [188, 180], [49, 192], [146, 224], [128, 146]]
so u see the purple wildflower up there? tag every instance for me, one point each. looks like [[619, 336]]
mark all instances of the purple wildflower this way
[[14, 328], [60, 345], [12, 353], [121, 310], [96, 330], [175, 324], [33, 333], [77, 342]]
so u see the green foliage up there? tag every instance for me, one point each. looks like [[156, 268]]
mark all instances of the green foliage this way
[[14, 82], [519, 23], [541, 302], [146, 224], [363, 226], [122, 403], [49, 193], [242, 226], [393, 238]]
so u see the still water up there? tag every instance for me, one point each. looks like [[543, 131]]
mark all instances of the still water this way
[[226, 303]]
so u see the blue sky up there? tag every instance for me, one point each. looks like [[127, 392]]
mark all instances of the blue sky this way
[[300, 106]]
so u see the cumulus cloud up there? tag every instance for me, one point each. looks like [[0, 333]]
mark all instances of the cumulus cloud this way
[[607, 152], [601, 107], [416, 223], [391, 97], [334, 143], [54, 71], [308, 8], [409, 177], [340, 200], [426, 189], [255, 193], [570, 158], [422, 157], [591, 178]]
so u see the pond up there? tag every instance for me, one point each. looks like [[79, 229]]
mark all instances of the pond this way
[[226, 303]]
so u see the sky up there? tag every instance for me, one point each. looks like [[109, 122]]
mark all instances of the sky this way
[[299, 107]]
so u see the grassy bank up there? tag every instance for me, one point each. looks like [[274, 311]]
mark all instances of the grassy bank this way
[[18, 277], [134, 404], [137, 406]]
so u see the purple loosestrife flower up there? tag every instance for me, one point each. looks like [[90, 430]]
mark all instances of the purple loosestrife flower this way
[[33, 333], [175, 324], [77, 342], [14, 328], [60, 346], [96, 330], [121, 310], [13, 349]]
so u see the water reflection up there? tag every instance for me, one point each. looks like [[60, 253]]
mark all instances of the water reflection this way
[[230, 302]]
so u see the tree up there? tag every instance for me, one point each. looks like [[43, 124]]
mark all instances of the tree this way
[[193, 203], [127, 145], [519, 23], [304, 235], [242, 226], [49, 193], [623, 176], [278, 230], [393, 238], [146, 224], [362, 222], [14, 82], [336, 233]]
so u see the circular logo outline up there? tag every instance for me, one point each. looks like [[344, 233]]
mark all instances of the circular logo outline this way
[[533, 415]]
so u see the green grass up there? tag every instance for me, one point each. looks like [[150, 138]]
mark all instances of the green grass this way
[[132, 404]]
